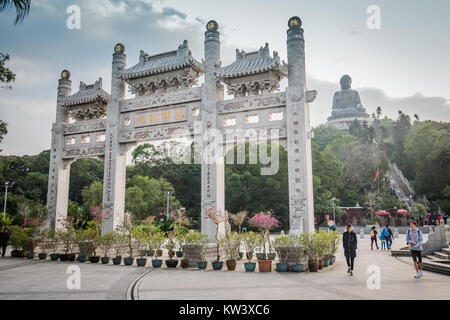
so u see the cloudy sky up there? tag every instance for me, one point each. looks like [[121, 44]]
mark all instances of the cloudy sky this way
[[404, 65]]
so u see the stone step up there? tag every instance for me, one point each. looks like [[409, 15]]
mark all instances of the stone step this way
[[446, 250], [441, 255]]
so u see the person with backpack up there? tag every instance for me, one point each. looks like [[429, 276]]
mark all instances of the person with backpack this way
[[388, 235], [350, 244], [383, 242], [414, 239], [373, 238]]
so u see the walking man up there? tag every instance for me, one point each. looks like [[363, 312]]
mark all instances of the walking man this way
[[4, 238], [350, 244], [388, 235], [414, 239]]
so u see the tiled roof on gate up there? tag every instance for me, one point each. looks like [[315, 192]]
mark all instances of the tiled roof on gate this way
[[86, 94], [252, 63], [160, 63]]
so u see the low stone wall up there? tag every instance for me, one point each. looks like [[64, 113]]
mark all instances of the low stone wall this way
[[356, 229], [437, 239]]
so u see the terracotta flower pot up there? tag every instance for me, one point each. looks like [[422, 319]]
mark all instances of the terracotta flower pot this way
[[313, 265], [265, 265], [184, 263], [231, 264], [321, 264]]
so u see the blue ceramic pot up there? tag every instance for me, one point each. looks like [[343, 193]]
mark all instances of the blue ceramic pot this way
[[42, 256], [171, 263], [117, 260], [179, 254], [250, 266], [202, 264], [157, 263], [54, 256], [82, 258], [105, 260], [30, 255], [282, 267], [128, 261], [297, 268], [94, 259], [217, 265], [141, 262]]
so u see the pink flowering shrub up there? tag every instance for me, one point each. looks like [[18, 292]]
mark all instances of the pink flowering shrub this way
[[263, 222], [216, 216]]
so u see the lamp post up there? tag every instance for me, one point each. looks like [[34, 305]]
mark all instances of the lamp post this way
[[168, 194], [334, 212], [7, 185]]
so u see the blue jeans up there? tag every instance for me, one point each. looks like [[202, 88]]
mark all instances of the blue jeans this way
[[389, 243]]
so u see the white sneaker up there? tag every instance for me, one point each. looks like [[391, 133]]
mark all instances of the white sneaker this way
[[417, 276], [421, 273]]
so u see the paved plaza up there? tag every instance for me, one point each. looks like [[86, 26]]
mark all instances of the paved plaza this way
[[24, 279]]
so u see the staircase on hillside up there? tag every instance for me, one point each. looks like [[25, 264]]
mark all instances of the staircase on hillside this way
[[400, 185]]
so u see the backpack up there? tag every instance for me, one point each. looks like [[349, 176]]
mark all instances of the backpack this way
[[372, 234], [386, 233]]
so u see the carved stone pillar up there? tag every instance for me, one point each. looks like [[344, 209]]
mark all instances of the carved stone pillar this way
[[213, 180], [301, 202], [115, 158], [59, 170]]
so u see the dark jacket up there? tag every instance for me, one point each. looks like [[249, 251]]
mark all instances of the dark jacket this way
[[350, 244], [4, 238]]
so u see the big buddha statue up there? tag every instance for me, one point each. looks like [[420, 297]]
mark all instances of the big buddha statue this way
[[347, 106]]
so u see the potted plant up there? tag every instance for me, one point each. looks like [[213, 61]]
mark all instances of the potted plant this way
[[141, 240], [40, 240], [118, 247], [251, 240], [295, 254], [155, 242], [218, 217], [53, 244], [202, 263], [334, 235], [231, 243], [194, 244], [170, 246], [86, 244], [126, 228], [264, 222], [105, 243], [238, 220], [179, 240], [66, 240], [17, 234], [322, 247], [310, 243], [282, 245]]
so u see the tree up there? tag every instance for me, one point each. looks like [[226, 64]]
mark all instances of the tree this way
[[92, 195], [3, 130], [6, 75], [427, 150], [22, 8], [147, 196], [84, 172]]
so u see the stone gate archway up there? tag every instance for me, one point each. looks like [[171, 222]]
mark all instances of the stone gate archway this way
[[167, 104]]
